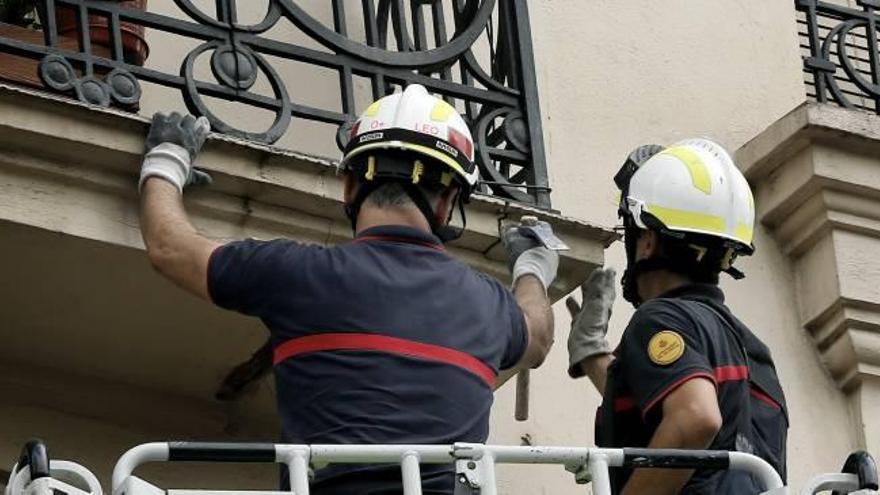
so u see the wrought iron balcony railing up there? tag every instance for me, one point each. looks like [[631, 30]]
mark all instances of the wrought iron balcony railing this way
[[476, 53], [839, 44]]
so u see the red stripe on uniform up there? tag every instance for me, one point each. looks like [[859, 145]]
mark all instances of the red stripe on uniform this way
[[622, 404], [761, 396], [401, 240], [668, 390], [382, 343], [731, 373], [720, 375]]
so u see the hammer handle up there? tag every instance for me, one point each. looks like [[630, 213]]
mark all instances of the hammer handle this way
[[521, 412]]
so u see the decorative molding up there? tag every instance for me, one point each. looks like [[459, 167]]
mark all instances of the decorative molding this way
[[816, 176]]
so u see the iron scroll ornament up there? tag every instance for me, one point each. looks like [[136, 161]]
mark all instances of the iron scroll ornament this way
[[472, 17], [237, 77], [477, 14], [843, 58], [838, 36], [496, 170], [435, 46]]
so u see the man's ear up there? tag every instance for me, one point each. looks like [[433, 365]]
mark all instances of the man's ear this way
[[648, 244], [446, 203], [350, 187]]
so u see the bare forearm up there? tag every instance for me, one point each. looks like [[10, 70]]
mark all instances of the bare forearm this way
[[174, 246], [661, 481], [163, 218], [596, 369], [691, 420], [532, 299]]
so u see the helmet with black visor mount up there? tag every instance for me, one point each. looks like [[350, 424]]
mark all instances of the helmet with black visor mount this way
[[697, 201]]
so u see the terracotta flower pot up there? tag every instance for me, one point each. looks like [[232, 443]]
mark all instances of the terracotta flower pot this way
[[134, 45]]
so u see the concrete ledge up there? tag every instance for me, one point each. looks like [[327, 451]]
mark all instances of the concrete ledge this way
[[807, 123], [816, 175], [80, 297], [82, 164]]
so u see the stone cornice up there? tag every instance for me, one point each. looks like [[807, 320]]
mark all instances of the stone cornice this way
[[82, 161], [807, 123], [816, 175]]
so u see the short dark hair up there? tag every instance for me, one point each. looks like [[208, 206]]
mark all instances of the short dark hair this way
[[393, 194]]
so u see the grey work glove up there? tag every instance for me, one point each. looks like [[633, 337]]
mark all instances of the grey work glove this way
[[589, 321], [527, 256], [172, 144]]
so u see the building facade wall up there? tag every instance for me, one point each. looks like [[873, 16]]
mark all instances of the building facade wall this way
[[612, 75], [620, 74]]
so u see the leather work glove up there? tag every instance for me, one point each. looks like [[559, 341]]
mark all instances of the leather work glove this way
[[589, 323], [526, 255], [172, 144]]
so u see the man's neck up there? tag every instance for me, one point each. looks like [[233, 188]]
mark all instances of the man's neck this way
[[656, 283], [373, 216]]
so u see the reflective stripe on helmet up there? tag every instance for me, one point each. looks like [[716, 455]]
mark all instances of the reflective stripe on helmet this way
[[696, 167], [373, 109], [411, 147], [692, 187], [442, 111], [688, 220], [437, 149], [744, 233]]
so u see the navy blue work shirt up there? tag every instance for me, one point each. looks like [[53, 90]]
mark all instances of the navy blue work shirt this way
[[385, 340], [684, 334]]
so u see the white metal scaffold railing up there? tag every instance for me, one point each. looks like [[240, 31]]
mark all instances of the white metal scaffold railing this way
[[474, 466]]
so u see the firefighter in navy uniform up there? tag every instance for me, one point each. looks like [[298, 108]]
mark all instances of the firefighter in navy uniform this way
[[687, 373], [388, 338]]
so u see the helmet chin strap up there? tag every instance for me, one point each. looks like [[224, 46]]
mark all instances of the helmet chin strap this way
[[629, 280], [635, 268], [441, 229]]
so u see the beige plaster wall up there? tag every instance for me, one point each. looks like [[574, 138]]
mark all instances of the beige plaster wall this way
[[93, 422], [612, 75]]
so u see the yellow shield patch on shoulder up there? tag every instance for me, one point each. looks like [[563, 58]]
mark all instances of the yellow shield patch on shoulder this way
[[666, 347]]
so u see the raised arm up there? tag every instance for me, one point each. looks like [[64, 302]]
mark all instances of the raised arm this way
[[588, 351], [175, 248], [535, 305], [533, 267]]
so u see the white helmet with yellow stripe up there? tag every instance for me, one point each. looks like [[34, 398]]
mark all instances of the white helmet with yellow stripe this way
[[694, 187], [693, 195], [420, 123], [418, 141]]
